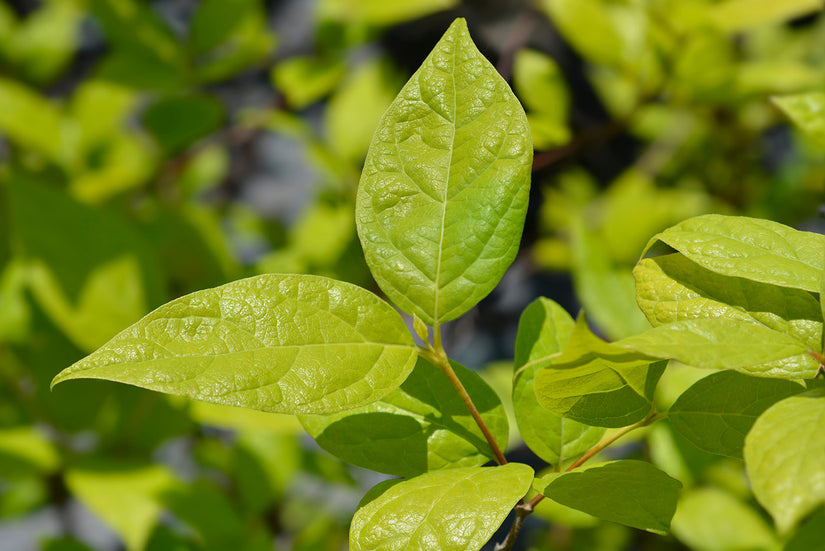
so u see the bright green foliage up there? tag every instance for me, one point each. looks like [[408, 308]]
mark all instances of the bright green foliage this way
[[805, 110], [125, 496], [540, 86], [727, 344], [717, 412], [422, 426], [450, 510], [597, 383], [544, 330], [24, 451], [443, 194], [629, 492], [785, 458], [759, 250], [710, 519], [671, 288], [284, 344], [737, 15]]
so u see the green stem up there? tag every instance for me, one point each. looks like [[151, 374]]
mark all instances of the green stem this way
[[436, 355]]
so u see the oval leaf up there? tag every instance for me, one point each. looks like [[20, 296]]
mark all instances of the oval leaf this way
[[421, 426], [598, 383], [543, 331], [717, 412], [277, 343], [673, 288], [785, 458], [443, 195], [451, 510], [634, 493], [727, 344], [751, 248]]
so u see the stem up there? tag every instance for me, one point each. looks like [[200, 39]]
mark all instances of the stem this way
[[651, 418], [818, 357], [438, 357], [522, 511]]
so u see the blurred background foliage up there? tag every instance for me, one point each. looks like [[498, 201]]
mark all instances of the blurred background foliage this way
[[153, 148]]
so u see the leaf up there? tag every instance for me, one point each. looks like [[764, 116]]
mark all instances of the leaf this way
[[32, 121], [304, 79], [750, 248], [672, 288], [597, 383], [452, 510], [380, 12], [544, 329], [98, 278], [540, 84], [277, 343], [734, 16], [785, 458], [422, 426], [727, 344], [717, 412], [710, 519], [25, 452], [124, 495], [443, 195], [805, 111], [634, 493], [176, 122]]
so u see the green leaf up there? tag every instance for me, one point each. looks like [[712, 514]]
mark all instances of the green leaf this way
[[727, 344], [422, 426], [380, 12], [629, 492], [304, 79], [808, 537], [672, 288], [805, 110], [597, 383], [452, 510], [176, 122], [33, 122], [215, 20], [544, 329], [124, 495], [443, 196], [710, 519], [717, 412], [785, 458], [734, 16], [98, 278], [541, 87], [25, 452], [750, 248], [277, 343]]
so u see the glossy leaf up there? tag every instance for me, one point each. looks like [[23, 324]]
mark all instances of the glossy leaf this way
[[634, 493], [750, 248], [443, 195], [277, 343], [673, 288], [451, 510], [727, 344], [422, 426], [544, 329], [805, 110], [785, 458], [597, 383], [717, 412], [710, 519]]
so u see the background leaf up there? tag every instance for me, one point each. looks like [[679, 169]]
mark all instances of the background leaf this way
[[453, 510], [277, 343], [443, 194], [805, 110], [421, 426], [785, 458], [629, 492], [717, 412]]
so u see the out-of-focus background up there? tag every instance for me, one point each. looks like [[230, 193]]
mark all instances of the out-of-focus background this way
[[153, 148]]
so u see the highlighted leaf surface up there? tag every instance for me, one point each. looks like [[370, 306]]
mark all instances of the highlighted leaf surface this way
[[751, 248], [443, 195], [785, 458], [450, 510], [421, 426], [277, 343]]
